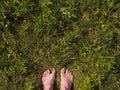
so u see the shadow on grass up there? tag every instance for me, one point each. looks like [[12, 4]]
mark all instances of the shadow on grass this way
[[72, 88], [55, 86]]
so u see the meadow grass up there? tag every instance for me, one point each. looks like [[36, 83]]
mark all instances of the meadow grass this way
[[81, 35]]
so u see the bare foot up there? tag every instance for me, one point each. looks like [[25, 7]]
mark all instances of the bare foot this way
[[66, 79], [48, 79]]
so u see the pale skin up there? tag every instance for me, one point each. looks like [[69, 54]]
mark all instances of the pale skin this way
[[48, 79]]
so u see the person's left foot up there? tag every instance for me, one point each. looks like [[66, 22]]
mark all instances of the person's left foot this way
[[48, 79]]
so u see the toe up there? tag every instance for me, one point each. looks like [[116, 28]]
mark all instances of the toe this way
[[70, 73], [67, 71], [53, 71], [71, 76], [62, 71], [46, 72]]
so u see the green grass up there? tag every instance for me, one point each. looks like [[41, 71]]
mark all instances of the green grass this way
[[82, 35]]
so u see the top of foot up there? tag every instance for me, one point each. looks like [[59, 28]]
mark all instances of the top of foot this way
[[66, 79], [48, 79]]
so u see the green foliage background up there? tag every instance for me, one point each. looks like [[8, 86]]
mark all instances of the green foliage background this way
[[82, 35]]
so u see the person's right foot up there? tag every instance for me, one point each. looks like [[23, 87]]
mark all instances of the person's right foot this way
[[66, 79]]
